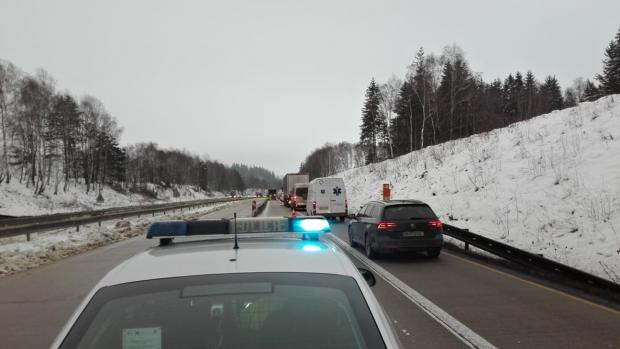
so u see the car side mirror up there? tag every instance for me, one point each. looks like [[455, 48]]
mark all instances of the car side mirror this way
[[352, 216], [368, 276]]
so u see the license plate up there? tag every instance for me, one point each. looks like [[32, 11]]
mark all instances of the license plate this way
[[323, 208], [413, 233]]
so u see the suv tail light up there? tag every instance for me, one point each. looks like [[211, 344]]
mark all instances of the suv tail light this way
[[314, 205], [386, 225], [435, 224]]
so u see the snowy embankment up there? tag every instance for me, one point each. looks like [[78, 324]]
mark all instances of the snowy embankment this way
[[18, 200], [17, 254], [549, 185]]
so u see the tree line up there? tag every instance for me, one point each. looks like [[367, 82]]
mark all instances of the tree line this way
[[51, 140], [441, 99], [257, 177], [332, 158]]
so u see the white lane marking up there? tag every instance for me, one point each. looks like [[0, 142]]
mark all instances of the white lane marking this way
[[462, 332]]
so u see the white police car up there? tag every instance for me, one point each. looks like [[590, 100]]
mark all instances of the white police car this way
[[274, 291]]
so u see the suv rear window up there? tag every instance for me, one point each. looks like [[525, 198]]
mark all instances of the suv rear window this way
[[258, 310], [403, 212]]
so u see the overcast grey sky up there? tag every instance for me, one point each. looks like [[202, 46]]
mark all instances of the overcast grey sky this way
[[265, 82]]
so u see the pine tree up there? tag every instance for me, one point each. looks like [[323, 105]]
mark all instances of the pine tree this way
[[518, 92], [454, 93], [610, 79], [404, 124], [591, 92], [551, 95], [531, 89], [371, 122], [509, 98]]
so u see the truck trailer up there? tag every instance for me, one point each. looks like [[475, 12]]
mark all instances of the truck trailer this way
[[288, 185]]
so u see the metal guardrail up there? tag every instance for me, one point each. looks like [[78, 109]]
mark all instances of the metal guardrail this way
[[27, 225], [547, 268]]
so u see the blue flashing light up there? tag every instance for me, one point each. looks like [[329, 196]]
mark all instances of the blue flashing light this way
[[311, 225], [167, 229], [311, 248]]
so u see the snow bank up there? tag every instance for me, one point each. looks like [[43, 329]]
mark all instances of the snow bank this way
[[18, 200], [17, 254], [549, 185]]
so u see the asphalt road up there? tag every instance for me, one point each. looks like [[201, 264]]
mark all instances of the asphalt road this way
[[508, 310], [34, 305], [504, 308]]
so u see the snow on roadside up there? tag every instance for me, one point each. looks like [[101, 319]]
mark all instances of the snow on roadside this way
[[549, 185], [17, 254], [16, 199]]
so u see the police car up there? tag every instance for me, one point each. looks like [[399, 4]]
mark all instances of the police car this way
[[268, 288]]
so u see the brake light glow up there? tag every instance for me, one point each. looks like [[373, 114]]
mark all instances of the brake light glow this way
[[314, 205], [386, 225], [435, 224]]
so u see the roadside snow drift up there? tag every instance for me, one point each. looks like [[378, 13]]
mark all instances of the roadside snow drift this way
[[17, 254], [16, 199], [549, 185]]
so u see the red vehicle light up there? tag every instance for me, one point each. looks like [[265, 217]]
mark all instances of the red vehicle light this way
[[435, 224], [314, 205], [386, 225]]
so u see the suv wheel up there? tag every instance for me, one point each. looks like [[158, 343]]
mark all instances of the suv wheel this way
[[370, 251], [433, 253]]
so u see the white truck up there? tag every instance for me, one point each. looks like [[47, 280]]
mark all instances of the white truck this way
[[288, 185], [327, 197]]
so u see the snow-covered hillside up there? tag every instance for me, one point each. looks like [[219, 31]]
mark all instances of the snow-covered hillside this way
[[549, 185], [18, 200]]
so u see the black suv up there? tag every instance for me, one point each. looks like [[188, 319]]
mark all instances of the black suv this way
[[396, 225]]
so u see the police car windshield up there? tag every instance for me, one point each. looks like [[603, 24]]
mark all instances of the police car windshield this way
[[264, 310]]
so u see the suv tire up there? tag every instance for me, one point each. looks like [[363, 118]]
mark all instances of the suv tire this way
[[433, 253], [370, 251]]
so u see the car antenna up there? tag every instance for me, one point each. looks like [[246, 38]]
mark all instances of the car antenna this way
[[236, 247]]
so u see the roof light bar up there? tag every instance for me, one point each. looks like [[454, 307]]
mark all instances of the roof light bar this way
[[174, 229]]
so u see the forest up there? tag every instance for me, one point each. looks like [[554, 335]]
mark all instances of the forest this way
[[441, 99], [51, 140]]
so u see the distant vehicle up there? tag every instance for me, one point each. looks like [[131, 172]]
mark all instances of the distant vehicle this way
[[327, 197], [290, 179], [300, 195], [277, 292], [396, 225], [271, 194]]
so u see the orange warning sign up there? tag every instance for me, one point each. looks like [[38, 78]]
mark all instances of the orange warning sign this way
[[386, 191]]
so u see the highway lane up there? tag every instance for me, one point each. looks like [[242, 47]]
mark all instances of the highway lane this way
[[415, 328], [34, 305], [508, 311]]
